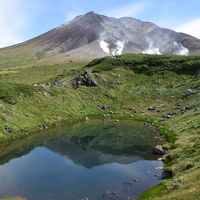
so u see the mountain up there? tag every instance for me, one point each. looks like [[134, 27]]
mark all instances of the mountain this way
[[92, 35]]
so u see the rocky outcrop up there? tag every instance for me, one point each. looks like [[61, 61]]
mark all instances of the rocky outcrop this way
[[85, 79]]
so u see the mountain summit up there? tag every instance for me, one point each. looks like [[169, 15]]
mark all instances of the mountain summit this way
[[92, 35]]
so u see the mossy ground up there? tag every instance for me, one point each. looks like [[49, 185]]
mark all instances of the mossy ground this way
[[128, 85]]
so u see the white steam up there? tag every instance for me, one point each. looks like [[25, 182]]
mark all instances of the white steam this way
[[181, 50], [112, 47], [152, 49], [105, 46], [119, 48]]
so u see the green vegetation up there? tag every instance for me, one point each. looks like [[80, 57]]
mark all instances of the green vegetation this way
[[162, 90], [9, 92], [36, 74], [148, 64]]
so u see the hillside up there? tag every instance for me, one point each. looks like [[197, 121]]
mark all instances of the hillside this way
[[162, 91], [93, 35]]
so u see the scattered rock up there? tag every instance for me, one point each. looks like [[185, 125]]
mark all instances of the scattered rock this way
[[46, 86], [158, 150], [104, 107], [44, 126], [161, 159], [57, 83], [12, 101], [177, 106], [167, 116], [66, 82], [8, 129], [86, 118], [152, 108], [45, 94], [106, 116], [190, 92], [117, 120], [189, 107]]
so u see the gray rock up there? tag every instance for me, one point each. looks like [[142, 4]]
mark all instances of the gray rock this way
[[158, 150], [161, 159], [85, 79], [8, 129], [46, 86], [189, 91], [106, 116], [151, 108], [45, 94], [104, 107], [12, 101], [57, 83], [44, 126], [167, 116]]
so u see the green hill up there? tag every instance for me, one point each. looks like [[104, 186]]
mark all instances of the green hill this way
[[161, 90]]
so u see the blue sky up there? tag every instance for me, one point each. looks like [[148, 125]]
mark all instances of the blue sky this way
[[24, 19]]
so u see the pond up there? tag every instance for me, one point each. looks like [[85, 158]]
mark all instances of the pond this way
[[94, 160]]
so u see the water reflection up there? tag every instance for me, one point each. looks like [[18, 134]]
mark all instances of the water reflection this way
[[59, 168]]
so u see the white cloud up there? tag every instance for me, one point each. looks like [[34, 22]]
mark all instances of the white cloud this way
[[191, 28], [12, 22], [131, 10]]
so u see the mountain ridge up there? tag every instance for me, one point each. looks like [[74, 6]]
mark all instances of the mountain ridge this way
[[92, 35]]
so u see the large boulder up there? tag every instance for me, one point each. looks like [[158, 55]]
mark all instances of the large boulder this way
[[85, 79]]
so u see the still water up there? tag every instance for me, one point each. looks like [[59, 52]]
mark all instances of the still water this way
[[61, 169]]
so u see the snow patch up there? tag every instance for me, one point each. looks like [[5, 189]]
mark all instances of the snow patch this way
[[152, 50], [119, 49], [105, 46], [181, 49]]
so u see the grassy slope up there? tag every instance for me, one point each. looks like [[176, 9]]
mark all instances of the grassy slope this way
[[128, 85], [30, 54]]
